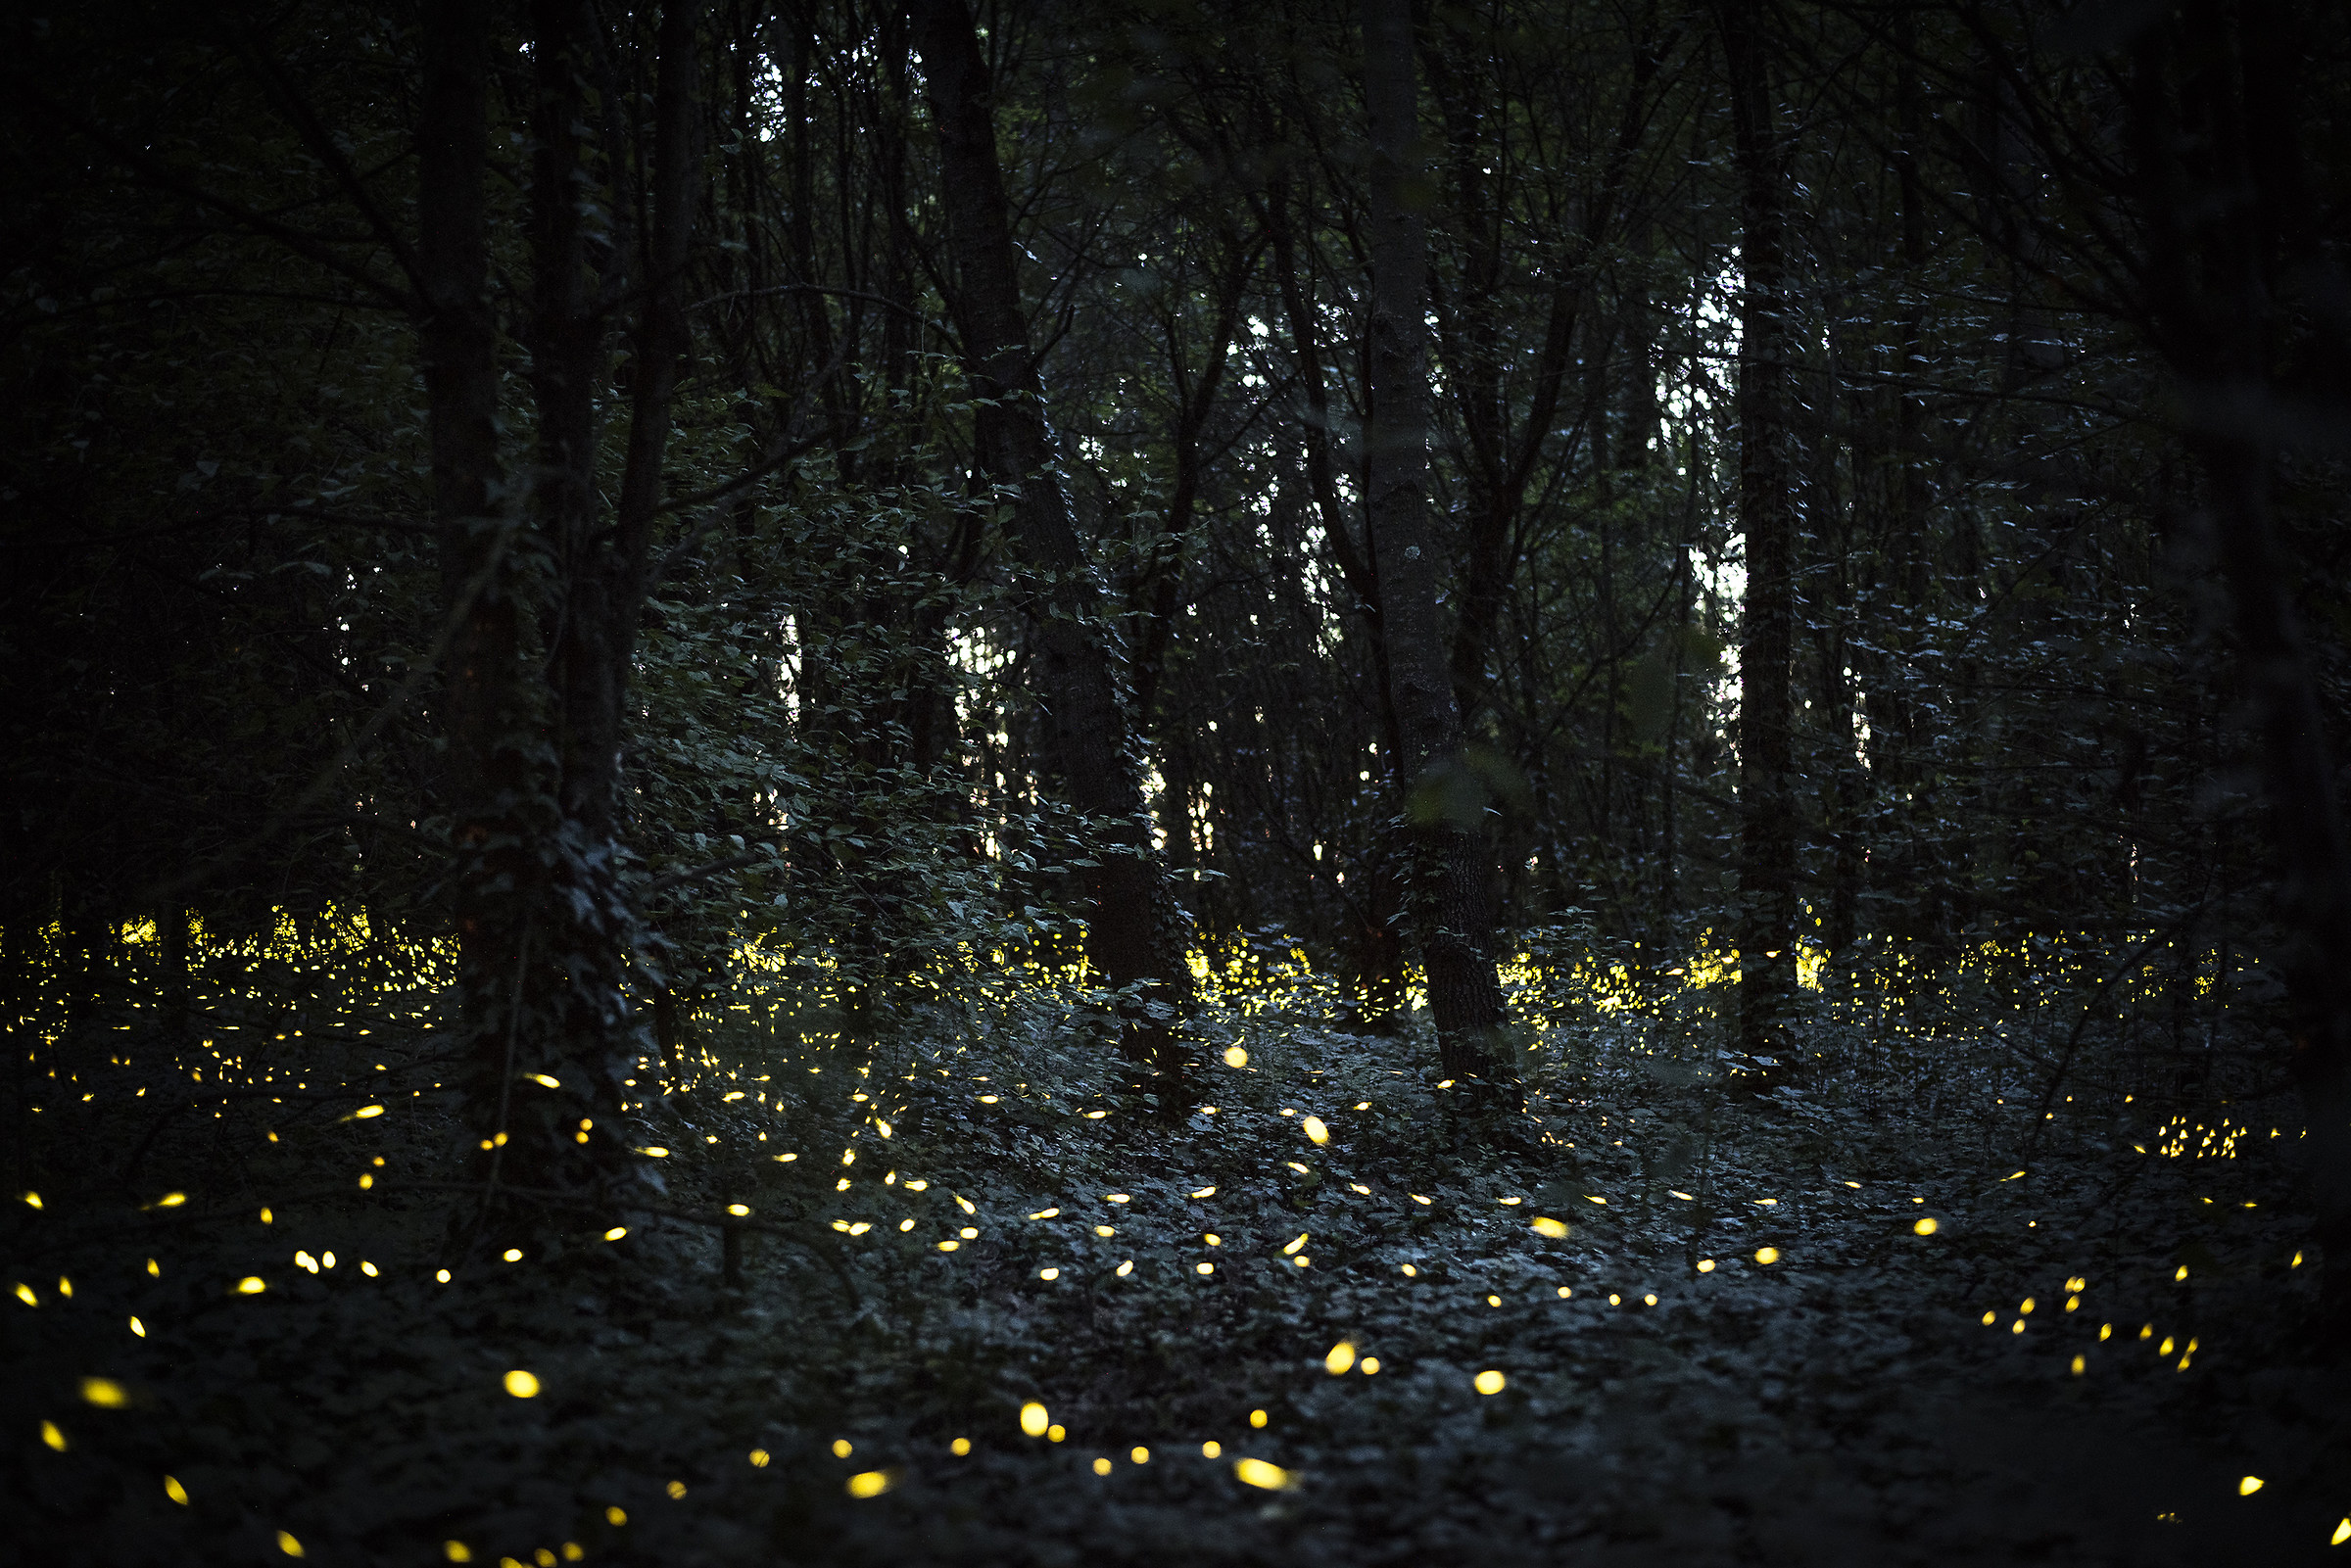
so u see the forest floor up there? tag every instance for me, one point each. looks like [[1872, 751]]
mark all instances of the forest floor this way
[[1745, 1346]]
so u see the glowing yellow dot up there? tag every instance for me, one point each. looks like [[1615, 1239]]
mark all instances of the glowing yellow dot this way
[[1204, 1268], [960, 1446], [1706, 1265], [1211, 1450], [1034, 1419], [616, 1232], [251, 1285], [2248, 1486], [616, 1516], [53, 1436], [842, 1448], [676, 1491], [2343, 1533], [1101, 1468], [2081, 1366], [1048, 1274], [138, 1328], [1314, 1131], [759, 1458], [1235, 1056], [1056, 1432], [1767, 1255], [1339, 1359], [1926, 1226], [1554, 1228], [2180, 1274], [1257, 1473], [176, 1492], [512, 1254], [870, 1484], [1990, 1319], [104, 1392], [1489, 1381], [1257, 1418], [288, 1545], [522, 1385], [457, 1551]]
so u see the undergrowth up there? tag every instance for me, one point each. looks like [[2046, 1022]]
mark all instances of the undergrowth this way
[[1932, 1295]]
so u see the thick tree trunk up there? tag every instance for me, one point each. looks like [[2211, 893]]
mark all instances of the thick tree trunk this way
[[1767, 841], [2214, 271], [2315, 891], [1454, 874], [497, 777], [1132, 940]]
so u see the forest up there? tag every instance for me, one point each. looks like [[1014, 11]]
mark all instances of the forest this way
[[1034, 782]]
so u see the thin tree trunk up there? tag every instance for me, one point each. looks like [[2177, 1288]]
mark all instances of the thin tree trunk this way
[[1377, 947], [1131, 935], [1454, 874], [1767, 839]]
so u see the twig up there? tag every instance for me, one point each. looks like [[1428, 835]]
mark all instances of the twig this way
[[678, 879]]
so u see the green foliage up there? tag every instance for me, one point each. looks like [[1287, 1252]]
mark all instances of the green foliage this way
[[369, 1415]]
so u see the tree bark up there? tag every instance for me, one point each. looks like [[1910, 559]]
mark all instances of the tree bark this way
[[2214, 271], [1133, 942], [548, 932], [497, 775], [1767, 835], [1374, 908], [594, 932], [1454, 874]]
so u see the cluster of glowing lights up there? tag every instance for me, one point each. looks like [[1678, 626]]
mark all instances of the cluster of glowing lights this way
[[1240, 979]]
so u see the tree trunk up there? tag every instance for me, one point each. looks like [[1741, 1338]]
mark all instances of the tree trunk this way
[[1767, 835], [592, 924], [1454, 874], [2214, 270], [1132, 939], [497, 778], [1375, 947], [548, 932]]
